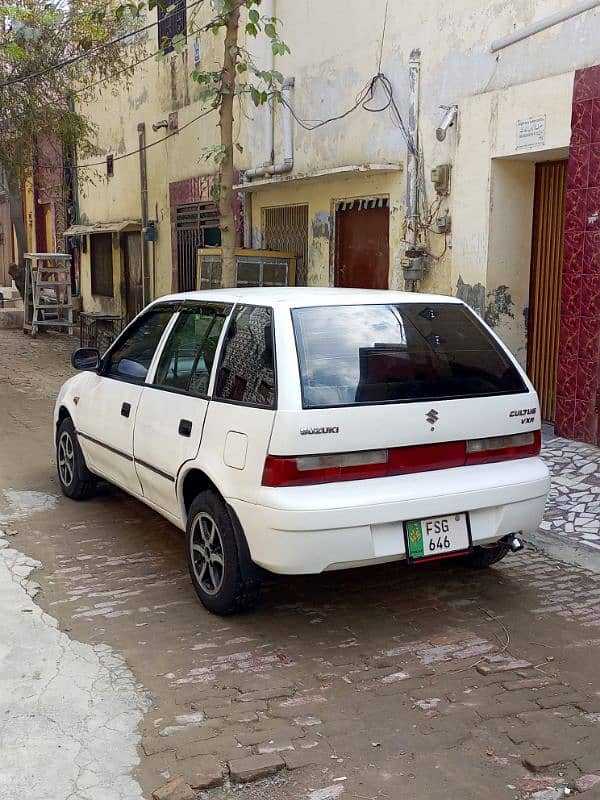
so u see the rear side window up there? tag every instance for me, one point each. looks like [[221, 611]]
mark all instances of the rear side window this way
[[352, 355], [247, 369], [187, 359]]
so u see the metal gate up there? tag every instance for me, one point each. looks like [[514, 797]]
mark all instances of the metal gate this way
[[545, 283], [285, 228], [197, 225]]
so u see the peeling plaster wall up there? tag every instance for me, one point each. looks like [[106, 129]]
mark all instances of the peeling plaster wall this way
[[509, 256], [158, 88], [492, 199], [335, 48]]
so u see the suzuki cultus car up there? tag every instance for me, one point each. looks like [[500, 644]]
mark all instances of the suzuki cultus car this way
[[300, 430]]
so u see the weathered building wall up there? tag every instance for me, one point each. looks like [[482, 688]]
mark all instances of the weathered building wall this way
[[321, 196], [336, 49]]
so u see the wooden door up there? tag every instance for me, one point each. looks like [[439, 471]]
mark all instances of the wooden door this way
[[362, 249], [134, 296], [545, 282]]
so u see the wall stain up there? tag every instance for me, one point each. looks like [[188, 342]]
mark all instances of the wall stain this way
[[139, 100], [500, 305], [321, 225], [472, 295]]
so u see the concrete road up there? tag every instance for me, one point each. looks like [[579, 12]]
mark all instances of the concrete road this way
[[431, 682]]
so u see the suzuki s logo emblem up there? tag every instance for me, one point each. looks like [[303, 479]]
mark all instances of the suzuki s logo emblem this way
[[432, 416]]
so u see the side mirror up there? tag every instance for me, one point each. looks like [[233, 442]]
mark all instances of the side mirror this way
[[86, 358]]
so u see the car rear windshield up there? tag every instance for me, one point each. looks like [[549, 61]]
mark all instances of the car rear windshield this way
[[361, 354]]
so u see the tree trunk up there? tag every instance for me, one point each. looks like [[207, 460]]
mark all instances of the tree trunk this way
[[227, 220]]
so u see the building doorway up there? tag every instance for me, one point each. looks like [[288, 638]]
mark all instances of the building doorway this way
[[546, 281], [134, 295], [362, 247]]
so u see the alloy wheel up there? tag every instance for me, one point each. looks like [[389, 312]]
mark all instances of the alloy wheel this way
[[207, 554], [66, 458]]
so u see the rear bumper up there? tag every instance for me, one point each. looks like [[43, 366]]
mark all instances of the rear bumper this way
[[334, 526]]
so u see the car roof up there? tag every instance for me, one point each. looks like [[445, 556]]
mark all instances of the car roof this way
[[302, 296]]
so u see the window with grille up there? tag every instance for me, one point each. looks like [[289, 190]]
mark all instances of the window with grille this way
[[197, 225], [101, 263], [172, 22], [285, 228]]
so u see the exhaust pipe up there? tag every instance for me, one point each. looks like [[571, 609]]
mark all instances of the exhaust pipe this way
[[514, 543]]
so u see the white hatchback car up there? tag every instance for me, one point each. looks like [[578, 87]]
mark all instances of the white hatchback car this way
[[302, 430]]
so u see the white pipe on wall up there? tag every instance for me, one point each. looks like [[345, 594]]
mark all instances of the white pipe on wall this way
[[268, 9], [412, 177], [287, 164], [543, 24], [288, 132], [266, 113]]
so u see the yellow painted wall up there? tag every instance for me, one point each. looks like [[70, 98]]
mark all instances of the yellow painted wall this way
[[320, 196], [335, 50]]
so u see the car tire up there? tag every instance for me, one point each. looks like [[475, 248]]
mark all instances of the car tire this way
[[76, 481], [216, 568], [484, 557]]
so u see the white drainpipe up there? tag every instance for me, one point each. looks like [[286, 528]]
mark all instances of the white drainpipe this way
[[543, 24], [287, 164], [412, 175]]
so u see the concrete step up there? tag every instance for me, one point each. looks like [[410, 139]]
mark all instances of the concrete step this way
[[11, 318]]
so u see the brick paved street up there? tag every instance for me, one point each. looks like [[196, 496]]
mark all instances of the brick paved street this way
[[431, 682]]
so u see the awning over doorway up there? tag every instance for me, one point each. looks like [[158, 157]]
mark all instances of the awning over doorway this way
[[105, 227], [347, 171]]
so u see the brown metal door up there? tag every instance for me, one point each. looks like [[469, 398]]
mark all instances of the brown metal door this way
[[362, 249], [134, 296], [545, 283]]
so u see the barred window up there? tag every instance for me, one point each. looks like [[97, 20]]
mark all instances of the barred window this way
[[101, 264], [172, 21]]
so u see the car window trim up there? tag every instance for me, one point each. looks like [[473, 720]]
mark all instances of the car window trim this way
[[404, 401], [151, 374], [168, 306], [224, 333], [163, 343]]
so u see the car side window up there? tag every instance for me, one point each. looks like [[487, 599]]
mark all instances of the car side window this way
[[130, 358], [187, 359], [247, 370]]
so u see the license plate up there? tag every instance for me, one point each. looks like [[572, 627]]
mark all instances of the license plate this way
[[437, 537]]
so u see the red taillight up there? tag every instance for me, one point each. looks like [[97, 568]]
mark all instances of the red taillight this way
[[504, 448], [307, 470], [303, 470]]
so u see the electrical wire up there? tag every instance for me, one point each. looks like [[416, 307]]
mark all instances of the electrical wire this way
[[67, 62], [383, 36], [363, 100], [105, 79], [115, 74], [205, 113]]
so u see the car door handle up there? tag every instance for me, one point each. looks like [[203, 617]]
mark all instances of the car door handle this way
[[125, 409], [185, 427]]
